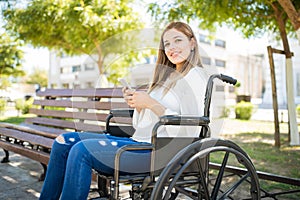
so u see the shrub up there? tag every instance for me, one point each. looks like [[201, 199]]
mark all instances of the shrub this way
[[23, 105], [2, 105], [243, 110], [19, 104], [298, 109], [225, 112], [28, 105]]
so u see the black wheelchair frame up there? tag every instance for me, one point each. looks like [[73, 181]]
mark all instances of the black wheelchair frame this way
[[185, 171]]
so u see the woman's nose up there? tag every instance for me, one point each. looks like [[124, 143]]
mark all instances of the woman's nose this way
[[171, 46]]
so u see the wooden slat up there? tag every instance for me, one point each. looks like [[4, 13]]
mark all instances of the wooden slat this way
[[54, 131], [98, 92], [27, 129], [89, 127], [27, 137], [81, 104], [79, 126], [98, 117], [71, 115], [51, 122], [32, 154]]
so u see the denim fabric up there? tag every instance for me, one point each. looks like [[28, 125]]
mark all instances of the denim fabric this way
[[71, 163]]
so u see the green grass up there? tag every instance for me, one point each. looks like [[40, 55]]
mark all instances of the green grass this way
[[259, 145], [14, 120]]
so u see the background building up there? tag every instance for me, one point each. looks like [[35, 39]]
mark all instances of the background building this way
[[222, 52], [279, 62], [72, 72]]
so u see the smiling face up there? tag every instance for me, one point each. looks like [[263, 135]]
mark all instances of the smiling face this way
[[177, 47]]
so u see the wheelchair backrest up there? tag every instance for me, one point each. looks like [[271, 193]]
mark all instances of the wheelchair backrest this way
[[166, 148]]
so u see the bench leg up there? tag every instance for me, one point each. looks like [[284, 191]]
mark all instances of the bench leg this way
[[43, 175], [102, 187], [6, 157]]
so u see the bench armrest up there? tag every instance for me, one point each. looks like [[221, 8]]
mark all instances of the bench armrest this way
[[122, 112], [120, 130]]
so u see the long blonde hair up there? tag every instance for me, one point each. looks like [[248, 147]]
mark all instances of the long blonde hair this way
[[164, 67]]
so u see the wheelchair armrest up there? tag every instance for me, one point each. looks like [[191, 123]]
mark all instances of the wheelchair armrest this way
[[129, 147], [183, 120]]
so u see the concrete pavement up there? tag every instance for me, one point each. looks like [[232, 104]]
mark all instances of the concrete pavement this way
[[19, 179]]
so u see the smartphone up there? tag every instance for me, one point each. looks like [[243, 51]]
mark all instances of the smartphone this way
[[125, 83]]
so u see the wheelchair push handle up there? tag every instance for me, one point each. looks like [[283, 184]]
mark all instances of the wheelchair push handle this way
[[209, 88], [228, 79]]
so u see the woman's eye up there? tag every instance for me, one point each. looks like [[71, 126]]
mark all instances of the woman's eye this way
[[178, 40], [167, 44]]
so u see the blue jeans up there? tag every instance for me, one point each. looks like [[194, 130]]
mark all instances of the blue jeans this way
[[71, 162]]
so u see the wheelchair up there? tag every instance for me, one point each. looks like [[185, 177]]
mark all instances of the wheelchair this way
[[189, 168]]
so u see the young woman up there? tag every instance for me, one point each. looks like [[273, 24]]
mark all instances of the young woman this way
[[178, 87]]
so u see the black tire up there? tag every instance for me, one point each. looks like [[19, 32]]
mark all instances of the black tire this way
[[206, 181]]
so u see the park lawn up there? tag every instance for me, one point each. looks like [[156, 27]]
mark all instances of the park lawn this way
[[259, 145], [15, 120]]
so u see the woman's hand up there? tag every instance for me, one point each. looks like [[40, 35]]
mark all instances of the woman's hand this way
[[127, 94], [142, 100]]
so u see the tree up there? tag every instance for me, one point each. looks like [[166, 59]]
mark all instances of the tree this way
[[292, 13], [10, 56], [10, 59], [75, 26], [252, 17], [39, 77]]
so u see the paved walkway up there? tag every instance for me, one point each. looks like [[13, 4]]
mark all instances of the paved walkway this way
[[19, 179]]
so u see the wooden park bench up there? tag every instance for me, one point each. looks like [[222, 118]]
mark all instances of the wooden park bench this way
[[57, 111]]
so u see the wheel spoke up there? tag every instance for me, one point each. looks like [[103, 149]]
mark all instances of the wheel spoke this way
[[220, 177], [223, 186], [186, 193], [203, 183], [233, 187]]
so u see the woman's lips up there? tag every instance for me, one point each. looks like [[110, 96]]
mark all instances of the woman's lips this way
[[174, 54]]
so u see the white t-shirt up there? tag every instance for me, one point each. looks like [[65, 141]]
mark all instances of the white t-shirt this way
[[185, 98]]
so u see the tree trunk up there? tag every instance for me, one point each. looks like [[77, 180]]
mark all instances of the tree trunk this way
[[102, 80], [293, 15], [293, 127], [294, 134]]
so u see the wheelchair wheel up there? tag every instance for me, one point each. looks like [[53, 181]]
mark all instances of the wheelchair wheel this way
[[191, 175]]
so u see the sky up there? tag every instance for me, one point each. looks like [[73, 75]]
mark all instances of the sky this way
[[35, 58]]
